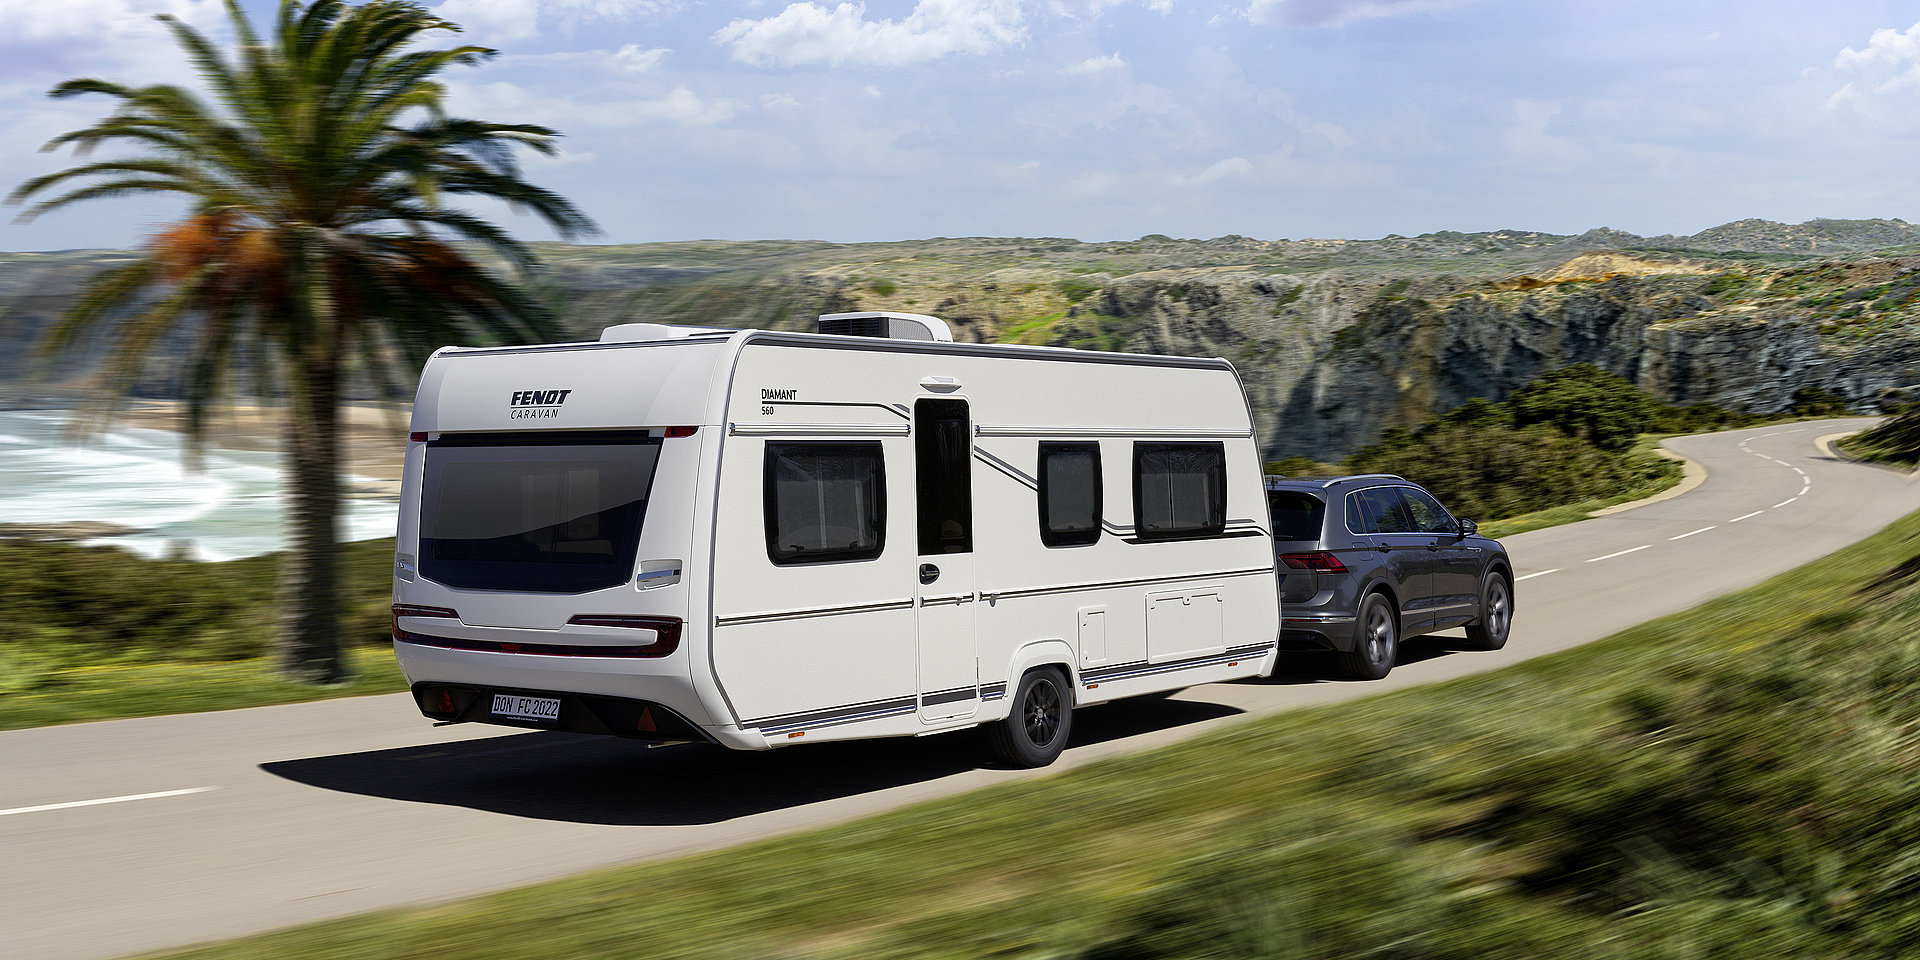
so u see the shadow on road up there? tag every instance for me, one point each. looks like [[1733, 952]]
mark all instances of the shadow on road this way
[[1301, 667], [587, 779]]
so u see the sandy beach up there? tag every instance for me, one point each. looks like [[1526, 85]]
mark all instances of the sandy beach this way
[[375, 436]]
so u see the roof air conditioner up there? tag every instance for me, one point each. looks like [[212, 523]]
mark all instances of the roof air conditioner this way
[[887, 326]]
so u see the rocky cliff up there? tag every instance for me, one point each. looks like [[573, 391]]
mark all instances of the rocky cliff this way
[[1337, 340]]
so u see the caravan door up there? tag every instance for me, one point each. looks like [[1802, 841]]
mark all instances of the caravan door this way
[[943, 480]]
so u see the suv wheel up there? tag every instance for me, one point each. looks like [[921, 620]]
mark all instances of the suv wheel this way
[[1496, 615], [1378, 644]]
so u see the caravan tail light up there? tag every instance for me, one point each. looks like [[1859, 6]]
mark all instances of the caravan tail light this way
[[1316, 562], [410, 610], [666, 633], [682, 431]]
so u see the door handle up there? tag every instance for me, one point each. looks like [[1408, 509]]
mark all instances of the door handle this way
[[929, 573], [1383, 547]]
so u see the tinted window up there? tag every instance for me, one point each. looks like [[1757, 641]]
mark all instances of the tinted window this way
[[1428, 515], [1179, 490], [553, 517], [1069, 493], [824, 502], [1296, 514], [1377, 510], [943, 461]]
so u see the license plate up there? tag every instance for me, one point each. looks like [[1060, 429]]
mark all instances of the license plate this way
[[543, 709]]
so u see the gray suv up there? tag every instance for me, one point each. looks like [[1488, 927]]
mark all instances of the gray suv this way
[[1367, 561]]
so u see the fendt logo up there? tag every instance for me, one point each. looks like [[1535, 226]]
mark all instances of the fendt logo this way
[[536, 404]]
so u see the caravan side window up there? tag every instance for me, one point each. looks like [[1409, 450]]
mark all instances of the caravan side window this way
[[1179, 490], [825, 501], [1069, 494]]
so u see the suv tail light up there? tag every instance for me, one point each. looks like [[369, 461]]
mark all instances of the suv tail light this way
[[1317, 562]]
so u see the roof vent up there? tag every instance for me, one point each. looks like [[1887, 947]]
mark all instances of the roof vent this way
[[887, 326]]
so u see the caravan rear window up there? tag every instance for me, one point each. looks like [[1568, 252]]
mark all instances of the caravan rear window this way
[[541, 516]]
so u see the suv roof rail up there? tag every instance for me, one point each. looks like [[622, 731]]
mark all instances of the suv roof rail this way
[[1366, 476]]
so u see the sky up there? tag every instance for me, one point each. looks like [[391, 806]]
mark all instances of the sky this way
[[1108, 119]]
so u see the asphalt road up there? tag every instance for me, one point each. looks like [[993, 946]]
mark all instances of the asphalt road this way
[[136, 835]]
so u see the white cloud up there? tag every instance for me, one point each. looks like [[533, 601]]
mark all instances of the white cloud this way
[[808, 33], [511, 103], [1885, 46], [1230, 167], [1322, 13], [1097, 64], [634, 58], [492, 21], [1886, 52]]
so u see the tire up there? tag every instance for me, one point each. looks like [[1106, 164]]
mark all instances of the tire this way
[[1496, 615], [1036, 727], [1378, 643]]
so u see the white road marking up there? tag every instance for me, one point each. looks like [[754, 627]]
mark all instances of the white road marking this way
[[1746, 515], [1783, 503], [1530, 576], [1622, 553], [1692, 532], [94, 803], [1799, 471], [1803, 489]]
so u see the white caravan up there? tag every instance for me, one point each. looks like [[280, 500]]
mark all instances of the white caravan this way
[[758, 539]]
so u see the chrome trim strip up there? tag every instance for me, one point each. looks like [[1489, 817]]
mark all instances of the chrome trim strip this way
[[1111, 584], [956, 600], [773, 615], [955, 695], [832, 716], [1141, 668], [893, 408], [1019, 476], [1325, 619], [830, 341], [819, 429], [1142, 433]]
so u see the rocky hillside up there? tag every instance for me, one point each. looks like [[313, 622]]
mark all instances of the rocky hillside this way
[[1337, 339]]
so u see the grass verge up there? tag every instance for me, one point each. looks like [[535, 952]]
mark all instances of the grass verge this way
[[1738, 781], [113, 691], [95, 633]]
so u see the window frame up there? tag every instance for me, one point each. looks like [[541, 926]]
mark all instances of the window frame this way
[[1075, 538], [770, 512], [1217, 527], [1407, 497]]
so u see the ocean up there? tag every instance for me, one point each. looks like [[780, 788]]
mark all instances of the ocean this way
[[136, 478]]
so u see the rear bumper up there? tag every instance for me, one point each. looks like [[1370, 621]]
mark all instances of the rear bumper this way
[[1309, 632], [578, 713]]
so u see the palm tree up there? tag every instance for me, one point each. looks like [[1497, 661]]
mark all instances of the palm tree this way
[[317, 242]]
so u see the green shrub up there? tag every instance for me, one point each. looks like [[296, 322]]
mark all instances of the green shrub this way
[[1585, 402]]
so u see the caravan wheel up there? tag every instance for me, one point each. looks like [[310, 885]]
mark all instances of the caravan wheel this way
[[1035, 730]]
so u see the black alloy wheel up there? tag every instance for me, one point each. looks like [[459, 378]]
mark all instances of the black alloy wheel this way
[[1378, 644], [1496, 615], [1035, 730]]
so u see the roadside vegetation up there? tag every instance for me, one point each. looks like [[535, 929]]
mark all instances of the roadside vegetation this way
[[95, 633], [1737, 781], [1567, 443], [1895, 441]]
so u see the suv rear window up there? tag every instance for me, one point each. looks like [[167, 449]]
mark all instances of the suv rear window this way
[[538, 516], [1297, 515]]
